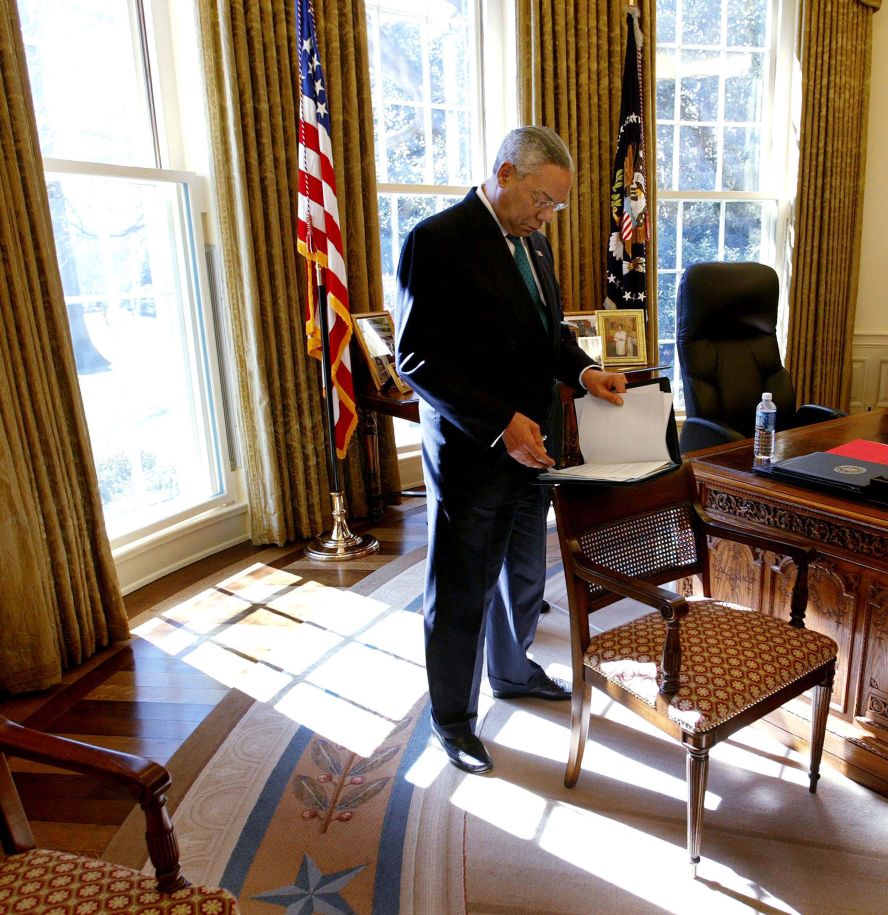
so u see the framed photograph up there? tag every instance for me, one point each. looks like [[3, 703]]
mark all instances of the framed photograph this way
[[622, 336], [584, 326], [375, 332]]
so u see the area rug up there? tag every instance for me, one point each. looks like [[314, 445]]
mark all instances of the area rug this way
[[329, 796]]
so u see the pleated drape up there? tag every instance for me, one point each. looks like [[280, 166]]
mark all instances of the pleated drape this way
[[570, 67], [835, 54], [59, 595], [251, 65]]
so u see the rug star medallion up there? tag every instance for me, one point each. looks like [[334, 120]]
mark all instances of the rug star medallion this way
[[313, 891]]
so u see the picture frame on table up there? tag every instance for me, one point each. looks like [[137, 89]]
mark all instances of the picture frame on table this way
[[375, 333], [584, 326], [622, 333]]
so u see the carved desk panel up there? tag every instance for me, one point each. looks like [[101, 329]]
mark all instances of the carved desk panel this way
[[848, 582]]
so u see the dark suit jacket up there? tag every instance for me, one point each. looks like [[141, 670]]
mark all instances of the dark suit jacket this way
[[470, 342]]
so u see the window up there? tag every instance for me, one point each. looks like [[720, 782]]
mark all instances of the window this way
[[127, 236], [436, 128], [724, 73]]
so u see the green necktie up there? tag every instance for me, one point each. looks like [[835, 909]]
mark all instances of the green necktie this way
[[524, 269]]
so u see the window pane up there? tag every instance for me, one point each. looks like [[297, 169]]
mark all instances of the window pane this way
[[667, 237], [449, 70], [401, 48], [699, 85], [405, 142], [665, 87], [136, 334], [665, 148], [699, 232], [744, 86], [747, 23], [666, 305], [742, 154], [698, 158], [701, 22], [89, 93], [666, 21], [744, 229]]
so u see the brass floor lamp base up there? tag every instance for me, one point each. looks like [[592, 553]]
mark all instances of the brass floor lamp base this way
[[341, 543]]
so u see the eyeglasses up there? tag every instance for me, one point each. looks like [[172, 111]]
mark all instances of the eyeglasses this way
[[546, 203]]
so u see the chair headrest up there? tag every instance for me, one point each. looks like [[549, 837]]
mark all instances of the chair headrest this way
[[722, 301]]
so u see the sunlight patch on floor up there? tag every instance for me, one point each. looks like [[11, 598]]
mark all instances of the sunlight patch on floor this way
[[259, 582], [650, 868], [338, 720], [503, 804], [432, 762], [206, 611], [373, 679], [290, 645], [257, 680], [400, 633], [334, 609], [163, 635]]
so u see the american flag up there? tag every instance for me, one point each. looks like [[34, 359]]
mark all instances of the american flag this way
[[319, 238], [627, 244]]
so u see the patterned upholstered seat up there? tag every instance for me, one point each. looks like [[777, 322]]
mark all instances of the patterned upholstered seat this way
[[697, 668], [46, 882], [38, 881]]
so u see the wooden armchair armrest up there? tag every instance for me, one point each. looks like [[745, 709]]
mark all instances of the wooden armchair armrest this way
[[146, 780], [672, 608]]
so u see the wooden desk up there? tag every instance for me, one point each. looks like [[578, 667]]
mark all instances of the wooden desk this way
[[848, 583], [372, 405]]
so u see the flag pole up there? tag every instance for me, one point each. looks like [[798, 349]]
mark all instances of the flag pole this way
[[340, 542]]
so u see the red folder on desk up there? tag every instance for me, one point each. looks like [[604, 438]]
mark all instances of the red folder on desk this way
[[863, 450]]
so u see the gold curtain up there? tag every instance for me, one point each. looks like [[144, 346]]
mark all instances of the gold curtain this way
[[59, 595], [252, 73], [835, 53], [570, 68]]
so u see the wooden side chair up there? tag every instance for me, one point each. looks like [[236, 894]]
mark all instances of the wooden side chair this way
[[697, 668], [39, 880]]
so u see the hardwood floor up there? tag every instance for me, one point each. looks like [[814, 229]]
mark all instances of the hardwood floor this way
[[142, 698]]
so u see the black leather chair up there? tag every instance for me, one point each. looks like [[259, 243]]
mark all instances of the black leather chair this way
[[726, 337]]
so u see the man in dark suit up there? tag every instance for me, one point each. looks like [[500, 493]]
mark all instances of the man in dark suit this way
[[480, 340]]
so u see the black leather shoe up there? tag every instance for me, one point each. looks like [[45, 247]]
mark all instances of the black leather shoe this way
[[550, 688], [466, 753]]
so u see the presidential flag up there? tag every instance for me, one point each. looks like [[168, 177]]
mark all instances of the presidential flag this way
[[626, 250], [319, 238]]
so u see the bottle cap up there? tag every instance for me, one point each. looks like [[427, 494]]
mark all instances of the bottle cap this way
[[766, 396]]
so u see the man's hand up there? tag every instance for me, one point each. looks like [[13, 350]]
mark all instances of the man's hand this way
[[524, 443], [606, 385]]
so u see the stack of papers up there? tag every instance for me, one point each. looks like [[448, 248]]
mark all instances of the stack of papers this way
[[621, 444]]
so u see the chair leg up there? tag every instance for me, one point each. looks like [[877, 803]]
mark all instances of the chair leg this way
[[819, 714], [580, 708], [697, 775]]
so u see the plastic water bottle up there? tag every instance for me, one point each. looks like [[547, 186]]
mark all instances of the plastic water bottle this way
[[765, 426]]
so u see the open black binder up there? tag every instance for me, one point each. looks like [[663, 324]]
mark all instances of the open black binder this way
[[671, 447]]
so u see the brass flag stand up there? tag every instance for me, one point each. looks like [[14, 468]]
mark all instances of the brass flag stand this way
[[340, 542]]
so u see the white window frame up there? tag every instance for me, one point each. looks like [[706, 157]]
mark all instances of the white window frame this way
[[213, 524], [778, 181]]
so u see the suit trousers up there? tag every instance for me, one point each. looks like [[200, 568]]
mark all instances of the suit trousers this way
[[485, 579]]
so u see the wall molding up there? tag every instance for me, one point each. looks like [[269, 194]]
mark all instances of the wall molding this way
[[143, 561], [869, 369]]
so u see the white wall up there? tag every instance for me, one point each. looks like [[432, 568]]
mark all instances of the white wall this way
[[872, 299]]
